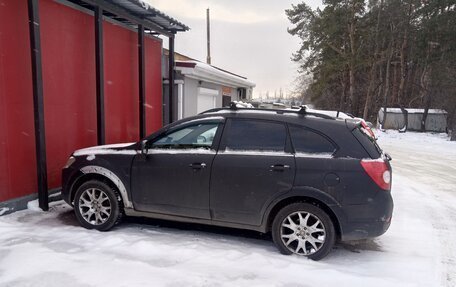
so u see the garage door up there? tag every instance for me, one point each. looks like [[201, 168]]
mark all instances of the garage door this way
[[206, 99]]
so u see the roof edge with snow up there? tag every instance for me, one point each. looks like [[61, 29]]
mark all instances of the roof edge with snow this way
[[202, 71]]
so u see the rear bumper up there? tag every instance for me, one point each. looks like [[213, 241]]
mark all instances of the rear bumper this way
[[367, 229], [368, 220]]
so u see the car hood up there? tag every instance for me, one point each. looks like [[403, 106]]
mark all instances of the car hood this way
[[120, 148]]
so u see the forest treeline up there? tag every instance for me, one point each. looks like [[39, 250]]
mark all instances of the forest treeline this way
[[357, 56]]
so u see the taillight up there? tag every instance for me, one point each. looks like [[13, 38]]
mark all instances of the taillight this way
[[367, 129], [378, 170]]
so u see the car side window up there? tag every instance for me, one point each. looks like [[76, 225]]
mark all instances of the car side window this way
[[255, 135], [189, 137], [309, 142]]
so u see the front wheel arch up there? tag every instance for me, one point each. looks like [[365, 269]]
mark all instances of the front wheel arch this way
[[115, 207], [88, 177]]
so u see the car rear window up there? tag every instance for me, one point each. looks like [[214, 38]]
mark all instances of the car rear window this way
[[255, 135], [309, 142], [369, 143]]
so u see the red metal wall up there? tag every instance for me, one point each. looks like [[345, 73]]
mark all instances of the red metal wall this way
[[68, 55], [17, 141], [121, 84], [154, 99], [67, 39]]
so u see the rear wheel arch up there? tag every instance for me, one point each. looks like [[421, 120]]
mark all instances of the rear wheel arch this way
[[305, 199]]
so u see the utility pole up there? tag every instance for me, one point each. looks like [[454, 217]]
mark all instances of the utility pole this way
[[208, 60]]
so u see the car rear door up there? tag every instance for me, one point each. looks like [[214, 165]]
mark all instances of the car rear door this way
[[315, 165], [254, 165]]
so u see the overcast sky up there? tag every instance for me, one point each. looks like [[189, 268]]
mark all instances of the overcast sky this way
[[248, 38]]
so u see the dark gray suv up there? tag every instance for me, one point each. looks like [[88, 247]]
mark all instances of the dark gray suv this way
[[309, 179]]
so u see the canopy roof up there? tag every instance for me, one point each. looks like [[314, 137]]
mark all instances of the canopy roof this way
[[134, 12]]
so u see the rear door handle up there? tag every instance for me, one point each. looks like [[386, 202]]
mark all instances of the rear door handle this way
[[279, 167], [197, 165]]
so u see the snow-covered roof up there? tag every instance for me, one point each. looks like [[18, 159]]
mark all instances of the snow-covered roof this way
[[205, 72], [144, 10], [334, 114], [414, 111], [241, 104]]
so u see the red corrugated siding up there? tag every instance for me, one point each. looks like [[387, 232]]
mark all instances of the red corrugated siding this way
[[17, 142], [67, 37], [154, 99], [121, 84], [68, 54]]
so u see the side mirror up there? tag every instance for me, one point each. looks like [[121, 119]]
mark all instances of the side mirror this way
[[144, 147]]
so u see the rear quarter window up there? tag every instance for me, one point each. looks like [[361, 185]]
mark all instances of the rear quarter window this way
[[368, 143], [308, 142]]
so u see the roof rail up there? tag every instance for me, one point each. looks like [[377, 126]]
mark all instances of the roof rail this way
[[302, 111]]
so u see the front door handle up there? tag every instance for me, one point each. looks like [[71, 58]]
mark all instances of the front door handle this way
[[197, 165], [279, 167]]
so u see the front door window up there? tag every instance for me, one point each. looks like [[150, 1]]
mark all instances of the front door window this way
[[191, 137]]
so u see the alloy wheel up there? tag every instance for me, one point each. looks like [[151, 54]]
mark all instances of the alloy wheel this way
[[303, 233], [95, 206]]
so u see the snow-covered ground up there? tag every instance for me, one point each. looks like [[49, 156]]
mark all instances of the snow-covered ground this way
[[50, 249]]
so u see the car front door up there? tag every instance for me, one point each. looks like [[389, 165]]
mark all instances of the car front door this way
[[254, 165], [173, 178]]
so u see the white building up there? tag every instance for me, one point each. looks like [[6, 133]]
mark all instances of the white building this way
[[200, 87]]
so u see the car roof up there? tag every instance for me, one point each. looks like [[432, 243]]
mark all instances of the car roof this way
[[337, 129], [234, 107], [298, 117]]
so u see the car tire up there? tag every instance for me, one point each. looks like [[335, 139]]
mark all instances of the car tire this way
[[97, 205], [303, 229]]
